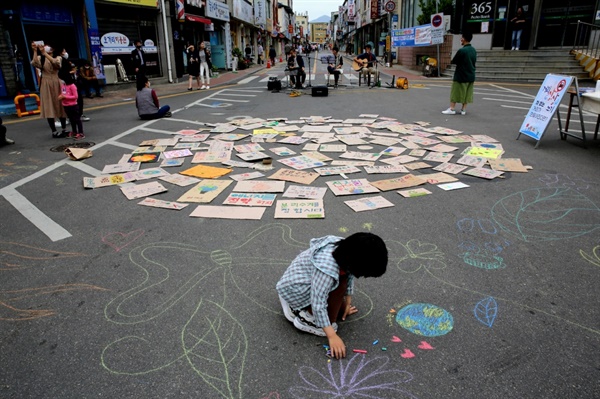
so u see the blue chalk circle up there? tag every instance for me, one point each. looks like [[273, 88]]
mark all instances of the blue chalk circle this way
[[425, 319]]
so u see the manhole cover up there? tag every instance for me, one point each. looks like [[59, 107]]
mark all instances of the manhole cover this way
[[77, 144]]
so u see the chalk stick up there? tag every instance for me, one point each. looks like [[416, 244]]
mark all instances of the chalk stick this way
[[359, 351], [375, 342]]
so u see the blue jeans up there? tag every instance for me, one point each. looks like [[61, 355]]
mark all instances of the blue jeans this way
[[161, 113], [516, 38]]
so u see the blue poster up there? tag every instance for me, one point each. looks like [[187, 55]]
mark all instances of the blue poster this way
[[545, 105], [412, 37]]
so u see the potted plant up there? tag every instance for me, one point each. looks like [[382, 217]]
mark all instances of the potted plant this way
[[241, 64]]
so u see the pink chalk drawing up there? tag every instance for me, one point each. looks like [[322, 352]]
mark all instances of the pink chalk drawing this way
[[407, 354], [118, 241], [425, 346], [396, 339]]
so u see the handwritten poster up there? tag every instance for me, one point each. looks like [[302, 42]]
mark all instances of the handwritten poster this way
[[544, 105], [368, 203], [246, 176], [180, 180], [405, 181], [205, 191], [301, 162], [156, 203], [337, 170], [282, 151], [305, 192], [296, 176], [206, 172], [150, 173], [122, 167], [142, 190], [259, 186], [351, 187], [177, 154], [171, 162], [483, 173], [414, 192], [450, 168], [386, 169], [299, 209], [108, 180], [250, 199]]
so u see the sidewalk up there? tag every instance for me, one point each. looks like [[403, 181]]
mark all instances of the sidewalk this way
[[125, 91]]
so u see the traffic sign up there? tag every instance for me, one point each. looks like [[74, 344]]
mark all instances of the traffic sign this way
[[437, 20], [390, 6]]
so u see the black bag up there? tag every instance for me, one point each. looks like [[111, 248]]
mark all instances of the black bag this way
[[320, 91], [274, 83]]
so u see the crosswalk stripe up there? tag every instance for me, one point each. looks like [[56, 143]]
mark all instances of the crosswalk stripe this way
[[247, 80]]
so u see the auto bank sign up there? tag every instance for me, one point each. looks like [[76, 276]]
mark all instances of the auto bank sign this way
[[118, 43]]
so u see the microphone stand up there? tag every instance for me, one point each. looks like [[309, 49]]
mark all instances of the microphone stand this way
[[309, 80]]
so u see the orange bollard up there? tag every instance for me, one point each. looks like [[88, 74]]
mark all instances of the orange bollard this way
[[269, 64], [20, 105]]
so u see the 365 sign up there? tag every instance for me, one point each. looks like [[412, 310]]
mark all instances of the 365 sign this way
[[481, 10]]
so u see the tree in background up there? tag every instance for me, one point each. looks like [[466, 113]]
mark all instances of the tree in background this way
[[428, 8]]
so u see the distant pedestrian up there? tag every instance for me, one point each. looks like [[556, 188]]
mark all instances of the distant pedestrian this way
[[248, 52], [272, 55], [138, 58], [50, 105], [69, 95], [464, 76], [146, 101], [205, 65], [260, 53], [89, 80], [3, 139], [193, 66], [517, 24]]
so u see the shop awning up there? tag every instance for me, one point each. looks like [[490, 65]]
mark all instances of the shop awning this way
[[197, 18]]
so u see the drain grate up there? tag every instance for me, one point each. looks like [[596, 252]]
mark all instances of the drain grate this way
[[77, 144]]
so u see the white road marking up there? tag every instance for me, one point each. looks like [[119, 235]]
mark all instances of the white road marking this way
[[39, 219], [507, 101], [85, 168], [230, 99], [123, 145], [247, 80]]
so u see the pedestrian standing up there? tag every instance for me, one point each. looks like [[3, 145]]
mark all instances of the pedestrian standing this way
[[50, 106], [193, 66], [464, 76], [260, 53], [138, 58], [205, 65], [517, 24], [89, 80], [69, 96], [272, 55]]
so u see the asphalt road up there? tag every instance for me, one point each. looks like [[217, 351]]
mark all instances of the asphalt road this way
[[491, 290]]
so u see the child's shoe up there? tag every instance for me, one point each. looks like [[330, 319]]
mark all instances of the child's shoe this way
[[288, 312], [79, 136], [306, 322], [71, 135]]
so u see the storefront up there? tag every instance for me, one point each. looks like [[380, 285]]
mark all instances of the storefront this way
[[59, 25], [553, 24], [242, 25], [120, 25], [218, 33]]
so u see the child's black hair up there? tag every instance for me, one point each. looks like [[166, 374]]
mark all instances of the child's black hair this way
[[362, 255]]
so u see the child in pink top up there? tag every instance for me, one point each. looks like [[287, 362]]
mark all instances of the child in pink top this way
[[68, 96]]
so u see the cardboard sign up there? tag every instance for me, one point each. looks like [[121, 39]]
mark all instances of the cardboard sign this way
[[450, 168], [405, 181], [452, 186], [508, 165], [415, 192], [156, 203], [473, 161], [299, 209], [211, 157], [177, 154], [226, 212], [282, 151], [122, 167], [393, 151], [146, 157], [180, 180], [439, 177], [206, 172], [171, 162], [77, 154], [333, 147], [150, 173], [368, 203], [399, 159], [205, 191], [483, 173], [417, 165], [386, 169], [351, 187], [490, 153], [246, 176], [337, 170], [142, 190], [253, 147], [296, 176], [442, 148], [305, 192], [363, 156], [252, 156], [250, 199], [108, 180], [301, 162]]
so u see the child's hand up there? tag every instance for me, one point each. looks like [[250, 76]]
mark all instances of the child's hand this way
[[61, 97], [337, 347], [348, 309]]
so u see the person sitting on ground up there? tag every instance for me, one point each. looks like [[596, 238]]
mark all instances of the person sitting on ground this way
[[88, 80], [295, 65], [146, 101], [3, 139], [318, 285], [335, 67], [366, 62]]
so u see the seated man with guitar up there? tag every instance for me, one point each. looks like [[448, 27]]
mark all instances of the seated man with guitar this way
[[365, 62], [334, 68], [295, 65]]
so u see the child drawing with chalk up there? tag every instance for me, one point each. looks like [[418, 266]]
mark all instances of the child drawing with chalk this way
[[318, 285]]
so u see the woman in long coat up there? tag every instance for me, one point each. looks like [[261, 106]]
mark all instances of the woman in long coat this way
[[50, 106]]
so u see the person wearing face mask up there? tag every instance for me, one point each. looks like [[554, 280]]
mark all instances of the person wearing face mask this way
[[50, 105], [138, 57], [205, 65], [88, 80]]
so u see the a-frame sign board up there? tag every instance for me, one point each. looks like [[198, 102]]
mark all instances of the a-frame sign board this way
[[546, 104]]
